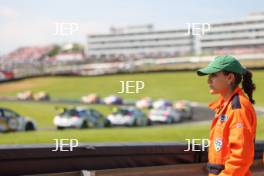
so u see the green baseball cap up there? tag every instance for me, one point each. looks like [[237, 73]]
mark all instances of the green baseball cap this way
[[222, 63]]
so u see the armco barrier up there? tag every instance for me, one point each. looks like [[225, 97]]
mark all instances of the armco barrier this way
[[39, 159]]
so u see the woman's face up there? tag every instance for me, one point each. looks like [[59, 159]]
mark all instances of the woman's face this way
[[219, 83]]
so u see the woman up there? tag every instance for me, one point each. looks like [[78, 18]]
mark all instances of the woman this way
[[233, 130]]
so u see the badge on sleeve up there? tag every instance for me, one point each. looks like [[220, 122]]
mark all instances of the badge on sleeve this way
[[239, 125], [218, 144], [223, 118]]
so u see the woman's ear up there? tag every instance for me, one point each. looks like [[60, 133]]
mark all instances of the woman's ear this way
[[230, 78]]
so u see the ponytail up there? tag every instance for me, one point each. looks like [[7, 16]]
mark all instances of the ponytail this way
[[248, 85]]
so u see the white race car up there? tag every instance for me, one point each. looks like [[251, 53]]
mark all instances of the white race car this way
[[144, 103], [113, 100], [12, 121], [161, 103], [79, 117], [165, 115], [127, 116], [26, 95], [185, 108], [91, 99]]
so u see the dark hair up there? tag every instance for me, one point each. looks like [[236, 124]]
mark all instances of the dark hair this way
[[247, 83]]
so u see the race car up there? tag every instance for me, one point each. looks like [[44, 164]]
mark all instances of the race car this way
[[41, 96], [91, 99], [79, 117], [127, 116], [144, 103], [113, 100], [167, 115], [26, 95], [185, 108], [12, 121], [161, 103]]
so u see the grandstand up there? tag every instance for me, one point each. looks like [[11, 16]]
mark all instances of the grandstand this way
[[135, 42], [236, 36], [232, 37], [27, 54]]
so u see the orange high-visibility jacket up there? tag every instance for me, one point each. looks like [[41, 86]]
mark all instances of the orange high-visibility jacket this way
[[232, 136]]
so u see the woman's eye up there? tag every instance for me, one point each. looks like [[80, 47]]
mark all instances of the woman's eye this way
[[213, 75]]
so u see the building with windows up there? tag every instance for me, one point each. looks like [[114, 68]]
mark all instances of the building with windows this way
[[236, 36]]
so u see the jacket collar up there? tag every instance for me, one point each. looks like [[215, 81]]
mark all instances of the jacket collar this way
[[219, 103]]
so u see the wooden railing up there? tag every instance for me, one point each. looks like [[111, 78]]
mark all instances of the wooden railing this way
[[116, 159]]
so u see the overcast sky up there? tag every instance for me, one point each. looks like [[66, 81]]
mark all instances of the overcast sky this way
[[31, 22]]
